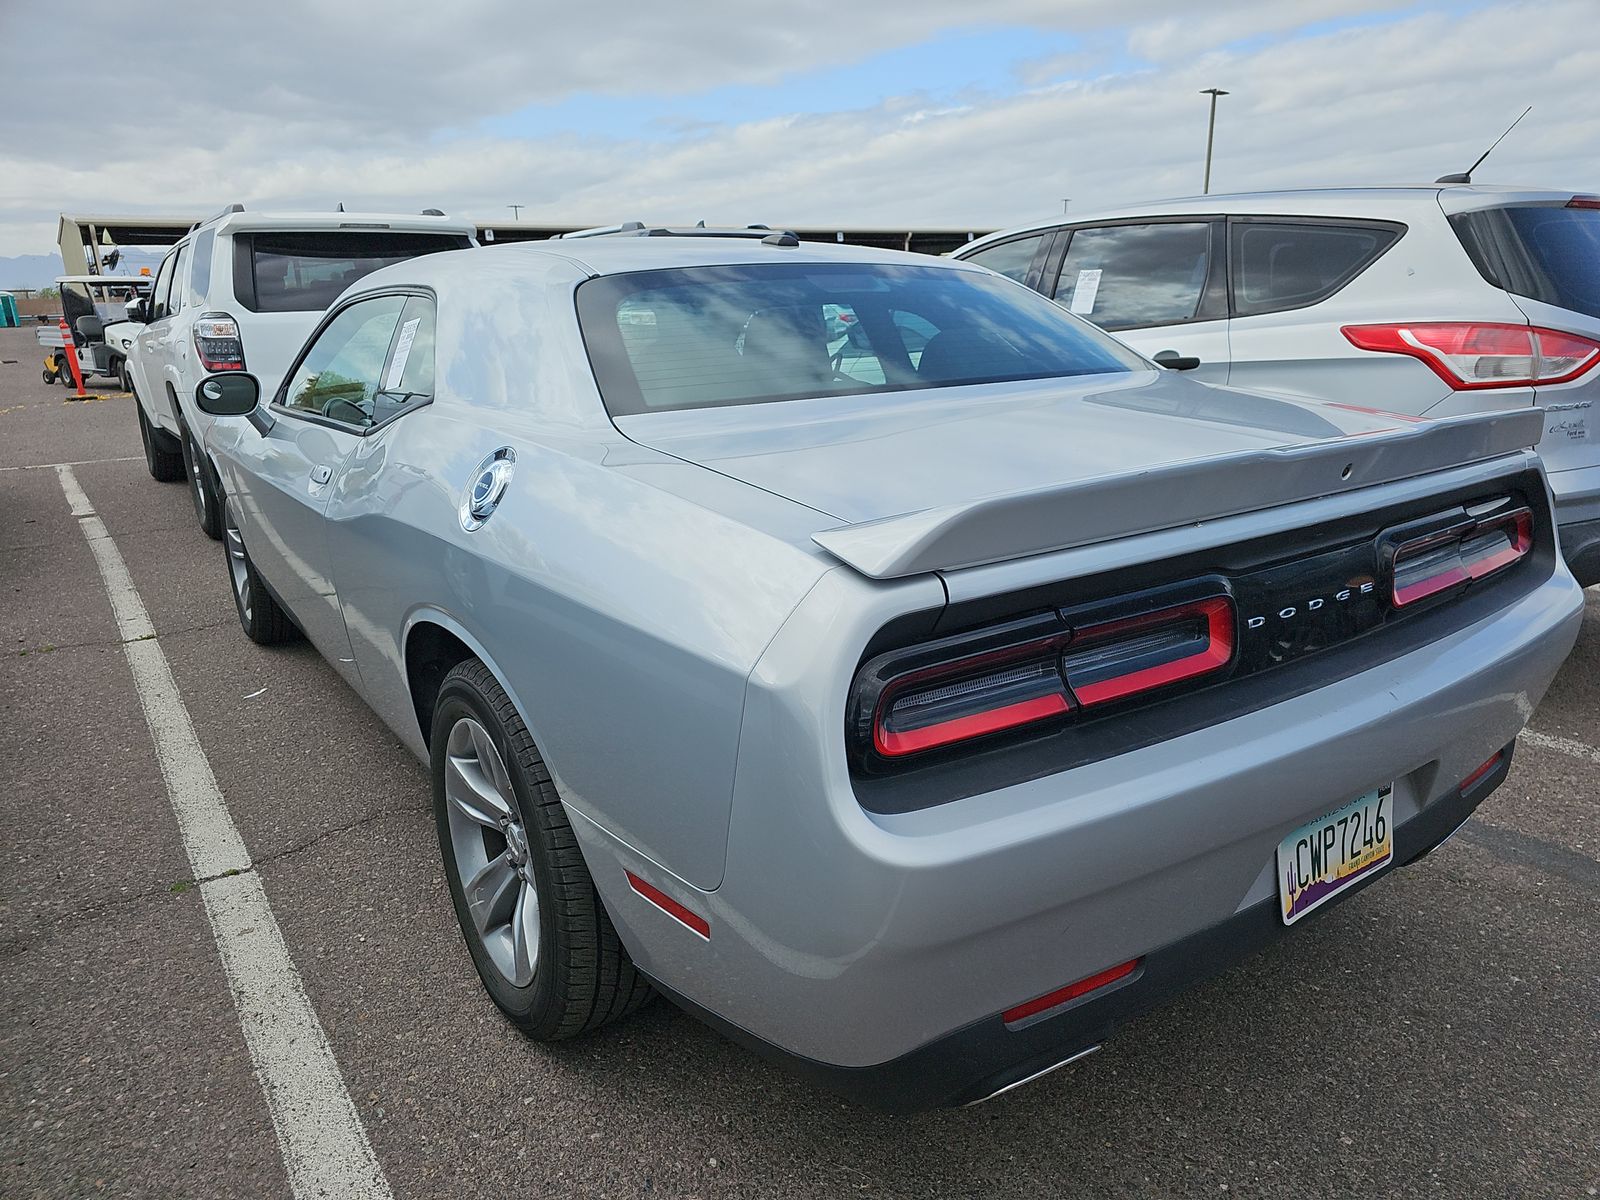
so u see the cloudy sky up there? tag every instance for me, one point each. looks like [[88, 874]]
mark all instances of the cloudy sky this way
[[932, 113]]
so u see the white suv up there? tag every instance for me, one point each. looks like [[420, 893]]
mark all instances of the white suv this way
[[244, 290], [1426, 300]]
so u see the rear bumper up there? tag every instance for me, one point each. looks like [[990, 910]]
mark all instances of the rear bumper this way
[[872, 951], [986, 1057]]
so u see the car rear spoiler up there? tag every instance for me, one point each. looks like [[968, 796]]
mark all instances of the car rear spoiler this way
[[1042, 520]]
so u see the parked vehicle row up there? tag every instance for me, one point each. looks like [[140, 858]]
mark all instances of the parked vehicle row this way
[[241, 291], [876, 658], [1428, 301]]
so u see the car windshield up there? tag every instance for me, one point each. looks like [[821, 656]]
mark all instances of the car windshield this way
[[701, 337]]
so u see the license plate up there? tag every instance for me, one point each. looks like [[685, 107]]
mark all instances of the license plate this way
[[1322, 858]]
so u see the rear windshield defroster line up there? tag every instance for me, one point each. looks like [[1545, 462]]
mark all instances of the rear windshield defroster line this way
[[703, 337]]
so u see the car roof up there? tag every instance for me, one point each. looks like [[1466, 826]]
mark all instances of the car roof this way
[[250, 220], [620, 255], [1376, 202]]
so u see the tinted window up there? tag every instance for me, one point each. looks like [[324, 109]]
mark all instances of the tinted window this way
[[1545, 253], [1125, 276], [180, 278], [304, 272], [703, 336], [162, 289], [1011, 259], [200, 271], [342, 373], [1279, 266]]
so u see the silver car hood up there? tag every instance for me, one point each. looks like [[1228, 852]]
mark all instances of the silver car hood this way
[[920, 481]]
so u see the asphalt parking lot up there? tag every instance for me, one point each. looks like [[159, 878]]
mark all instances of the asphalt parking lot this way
[[1438, 1035]]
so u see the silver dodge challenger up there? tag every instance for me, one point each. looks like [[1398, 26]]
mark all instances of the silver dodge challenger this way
[[872, 657]]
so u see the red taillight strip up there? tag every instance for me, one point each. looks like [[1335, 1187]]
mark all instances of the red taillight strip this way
[[690, 920], [1494, 761], [1447, 347], [890, 743], [1455, 567], [1218, 652], [1072, 991]]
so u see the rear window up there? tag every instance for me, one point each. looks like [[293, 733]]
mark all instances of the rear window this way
[[305, 272], [701, 337], [1546, 253]]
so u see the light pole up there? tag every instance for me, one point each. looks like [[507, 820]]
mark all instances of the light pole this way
[[516, 209], [1211, 132]]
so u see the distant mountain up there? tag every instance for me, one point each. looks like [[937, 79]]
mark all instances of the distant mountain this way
[[40, 270]]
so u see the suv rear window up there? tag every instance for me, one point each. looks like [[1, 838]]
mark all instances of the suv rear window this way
[[305, 272], [1544, 252], [701, 337]]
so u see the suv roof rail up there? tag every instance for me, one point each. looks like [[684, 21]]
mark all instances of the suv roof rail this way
[[217, 216]]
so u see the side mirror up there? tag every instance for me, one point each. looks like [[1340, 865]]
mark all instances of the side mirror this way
[[228, 394], [139, 310], [1173, 361]]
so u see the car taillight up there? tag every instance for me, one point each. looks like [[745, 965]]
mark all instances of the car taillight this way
[[1584, 202], [1476, 354], [216, 339], [1437, 562], [1117, 659], [1033, 671]]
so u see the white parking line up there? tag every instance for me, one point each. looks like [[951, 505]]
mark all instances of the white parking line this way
[[1561, 745], [324, 1145], [82, 462]]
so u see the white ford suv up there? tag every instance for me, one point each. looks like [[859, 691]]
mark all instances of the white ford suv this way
[[1428, 300], [242, 291]]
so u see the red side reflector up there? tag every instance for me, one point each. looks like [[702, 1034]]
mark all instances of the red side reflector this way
[[669, 906], [1494, 761], [1071, 992]]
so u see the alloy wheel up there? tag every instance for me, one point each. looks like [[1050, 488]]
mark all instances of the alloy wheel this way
[[238, 567], [490, 843]]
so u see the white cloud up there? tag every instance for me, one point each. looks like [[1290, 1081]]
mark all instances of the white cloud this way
[[375, 105]]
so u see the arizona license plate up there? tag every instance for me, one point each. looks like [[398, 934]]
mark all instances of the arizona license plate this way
[[1320, 859]]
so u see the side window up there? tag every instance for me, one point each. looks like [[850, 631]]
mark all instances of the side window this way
[[342, 373], [1280, 265], [161, 290], [180, 280], [1128, 276], [200, 268], [408, 374], [1011, 259]]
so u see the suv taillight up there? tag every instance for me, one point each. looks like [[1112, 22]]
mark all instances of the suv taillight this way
[[1437, 562], [1476, 354], [216, 339], [1032, 671]]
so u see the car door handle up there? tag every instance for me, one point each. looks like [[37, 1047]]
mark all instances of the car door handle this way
[[321, 474]]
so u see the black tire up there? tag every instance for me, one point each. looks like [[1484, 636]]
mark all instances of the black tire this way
[[49, 375], [124, 376], [164, 465], [202, 488], [260, 616], [582, 977]]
